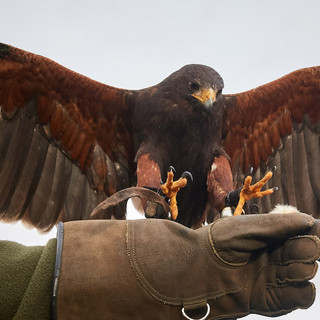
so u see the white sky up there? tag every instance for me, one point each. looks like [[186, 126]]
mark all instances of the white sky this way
[[135, 44]]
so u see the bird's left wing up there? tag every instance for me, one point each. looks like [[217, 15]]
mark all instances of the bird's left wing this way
[[65, 140], [278, 124]]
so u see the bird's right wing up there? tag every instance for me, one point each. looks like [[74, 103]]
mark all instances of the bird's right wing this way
[[65, 141]]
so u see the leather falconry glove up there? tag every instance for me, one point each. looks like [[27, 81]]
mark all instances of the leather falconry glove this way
[[158, 269]]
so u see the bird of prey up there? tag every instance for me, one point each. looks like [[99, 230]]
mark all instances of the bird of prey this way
[[68, 142]]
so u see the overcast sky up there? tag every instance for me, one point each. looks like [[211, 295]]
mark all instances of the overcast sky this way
[[135, 44]]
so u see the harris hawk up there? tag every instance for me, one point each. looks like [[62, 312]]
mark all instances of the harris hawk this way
[[68, 142]]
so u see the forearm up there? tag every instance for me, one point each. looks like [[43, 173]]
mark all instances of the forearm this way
[[26, 280]]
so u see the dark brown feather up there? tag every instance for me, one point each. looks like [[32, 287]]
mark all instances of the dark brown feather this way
[[87, 125], [275, 118]]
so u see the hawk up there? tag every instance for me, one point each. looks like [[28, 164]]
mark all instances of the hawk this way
[[68, 142]]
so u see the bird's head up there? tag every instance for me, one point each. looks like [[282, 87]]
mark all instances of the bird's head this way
[[198, 84]]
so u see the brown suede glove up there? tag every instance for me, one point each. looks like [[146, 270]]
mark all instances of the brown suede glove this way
[[155, 269]]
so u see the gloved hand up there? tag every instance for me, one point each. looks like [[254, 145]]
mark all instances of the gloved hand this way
[[157, 269]]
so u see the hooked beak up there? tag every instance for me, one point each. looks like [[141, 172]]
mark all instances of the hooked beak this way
[[207, 96]]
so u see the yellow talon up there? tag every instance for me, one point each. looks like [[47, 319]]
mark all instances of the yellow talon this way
[[248, 192], [170, 188]]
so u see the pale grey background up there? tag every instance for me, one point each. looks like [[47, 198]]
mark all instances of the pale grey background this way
[[135, 44]]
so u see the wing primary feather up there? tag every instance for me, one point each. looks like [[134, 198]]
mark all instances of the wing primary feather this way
[[41, 197], [19, 198], [75, 201], [42, 152], [60, 184], [287, 178], [15, 159], [312, 144], [8, 131], [296, 171], [301, 174]]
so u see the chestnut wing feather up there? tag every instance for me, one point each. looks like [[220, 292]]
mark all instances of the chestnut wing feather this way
[[65, 140], [278, 124]]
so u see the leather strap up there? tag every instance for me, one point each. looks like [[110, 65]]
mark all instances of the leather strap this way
[[57, 268], [128, 193]]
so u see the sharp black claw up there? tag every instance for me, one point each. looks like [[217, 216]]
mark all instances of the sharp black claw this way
[[187, 174], [250, 171], [171, 168], [275, 188], [274, 169]]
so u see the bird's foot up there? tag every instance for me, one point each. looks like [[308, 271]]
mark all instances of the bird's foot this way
[[249, 191], [171, 188]]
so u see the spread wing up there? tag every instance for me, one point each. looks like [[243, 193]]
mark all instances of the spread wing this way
[[278, 124], [65, 141]]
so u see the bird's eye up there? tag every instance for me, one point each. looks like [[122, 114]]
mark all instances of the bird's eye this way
[[194, 86]]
